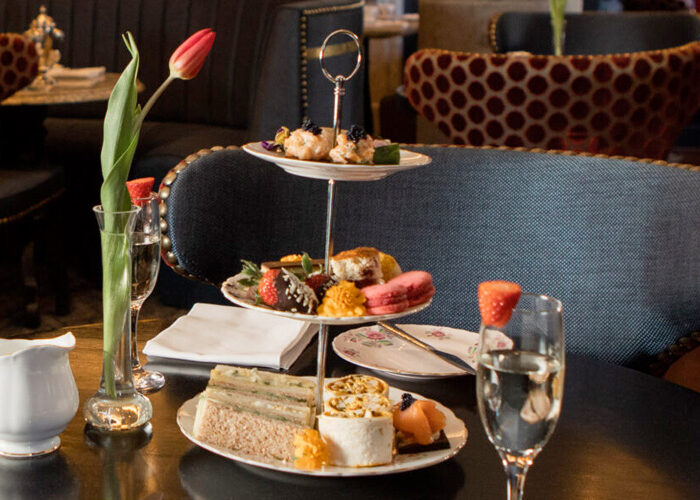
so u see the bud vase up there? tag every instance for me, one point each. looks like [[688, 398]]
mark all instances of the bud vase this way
[[117, 405]]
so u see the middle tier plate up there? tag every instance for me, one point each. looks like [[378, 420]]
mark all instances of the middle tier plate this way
[[228, 287]]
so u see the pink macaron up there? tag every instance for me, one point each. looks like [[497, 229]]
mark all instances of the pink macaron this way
[[418, 284], [385, 299]]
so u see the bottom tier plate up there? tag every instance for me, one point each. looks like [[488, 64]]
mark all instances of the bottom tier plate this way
[[455, 430]]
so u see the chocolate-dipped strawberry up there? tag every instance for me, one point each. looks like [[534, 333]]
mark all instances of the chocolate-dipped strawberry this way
[[283, 290]]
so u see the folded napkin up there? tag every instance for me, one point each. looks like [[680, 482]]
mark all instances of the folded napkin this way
[[232, 335], [62, 73]]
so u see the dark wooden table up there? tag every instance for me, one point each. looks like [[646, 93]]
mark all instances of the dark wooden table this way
[[623, 435]]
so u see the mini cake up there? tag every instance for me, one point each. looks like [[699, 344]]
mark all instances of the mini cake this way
[[310, 142], [355, 384], [353, 146], [254, 412], [390, 268], [361, 265], [358, 430]]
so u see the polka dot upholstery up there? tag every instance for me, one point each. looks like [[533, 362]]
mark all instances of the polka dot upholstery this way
[[631, 104], [19, 63]]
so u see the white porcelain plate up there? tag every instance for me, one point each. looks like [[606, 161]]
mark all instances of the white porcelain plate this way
[[337, 171], [455, 431], [229, 288], [378, 349]]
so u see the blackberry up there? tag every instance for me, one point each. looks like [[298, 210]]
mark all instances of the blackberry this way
[[406, 401], [310, 126], [356, 133]]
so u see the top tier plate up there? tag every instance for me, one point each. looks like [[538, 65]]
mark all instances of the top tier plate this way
[[337, 171]]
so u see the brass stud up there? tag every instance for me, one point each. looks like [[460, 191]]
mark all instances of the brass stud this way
[[170, 258], [164, 192], [169, 178], [163, 226], [165, 242]]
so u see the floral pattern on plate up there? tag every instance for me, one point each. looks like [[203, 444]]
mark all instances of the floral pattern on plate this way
[[375, 348]]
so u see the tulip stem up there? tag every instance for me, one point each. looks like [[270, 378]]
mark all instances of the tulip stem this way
[[153, 100]]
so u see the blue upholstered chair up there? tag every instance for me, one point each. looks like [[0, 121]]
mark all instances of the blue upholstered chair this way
[[594, 32], [616, 240]]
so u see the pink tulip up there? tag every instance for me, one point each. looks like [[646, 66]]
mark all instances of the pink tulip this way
[[189, 57]]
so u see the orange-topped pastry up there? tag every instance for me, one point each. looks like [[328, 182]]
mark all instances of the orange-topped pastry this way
[[343, 299], [361, 265]]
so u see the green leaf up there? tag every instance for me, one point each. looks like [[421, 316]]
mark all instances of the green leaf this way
[[306, 264], [387, 155], [121, 132]]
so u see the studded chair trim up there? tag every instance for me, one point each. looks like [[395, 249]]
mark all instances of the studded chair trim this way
[[171, 260]]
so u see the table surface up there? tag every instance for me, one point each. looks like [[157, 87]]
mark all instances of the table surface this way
[[58, 94], [622, 435]]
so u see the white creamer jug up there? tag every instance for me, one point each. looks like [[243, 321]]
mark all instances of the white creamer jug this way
[[38, 395]]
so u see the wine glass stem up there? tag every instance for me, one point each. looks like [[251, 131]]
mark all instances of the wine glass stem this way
[[516, 480], [135, 310]]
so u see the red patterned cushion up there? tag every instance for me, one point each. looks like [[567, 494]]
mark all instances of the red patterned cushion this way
[[19, 63], [619, 104]]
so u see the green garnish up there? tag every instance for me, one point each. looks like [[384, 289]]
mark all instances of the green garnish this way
[[306, 264], [387, 155]]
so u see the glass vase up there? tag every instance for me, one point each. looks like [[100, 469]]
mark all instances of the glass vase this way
[[116, 406]]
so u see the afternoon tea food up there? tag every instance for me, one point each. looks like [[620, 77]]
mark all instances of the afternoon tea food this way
[[355, 384], [254, 412], [354, 146], [362, 281], [272, 416]]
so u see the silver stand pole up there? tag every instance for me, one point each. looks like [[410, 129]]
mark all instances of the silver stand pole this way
[[338, 93]]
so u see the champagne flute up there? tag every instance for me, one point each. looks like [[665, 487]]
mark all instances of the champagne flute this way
[[520, 382], [145, 261]]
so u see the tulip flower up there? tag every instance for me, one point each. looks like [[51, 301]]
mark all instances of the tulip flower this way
[[185, 62], [122, 126], [189, 57]]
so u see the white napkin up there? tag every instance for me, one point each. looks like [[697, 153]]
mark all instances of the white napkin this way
[[233, 335], [63, 73]]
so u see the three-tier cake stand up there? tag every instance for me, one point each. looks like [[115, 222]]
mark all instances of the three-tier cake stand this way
[[332, 173]]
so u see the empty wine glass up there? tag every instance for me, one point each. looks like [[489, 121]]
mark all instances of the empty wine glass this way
[[145, 261], [520, 382]]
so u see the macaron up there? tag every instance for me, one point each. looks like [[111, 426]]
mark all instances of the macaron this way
[[387, 298], [418, 284]]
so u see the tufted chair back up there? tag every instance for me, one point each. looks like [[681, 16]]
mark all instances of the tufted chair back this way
[[615, 246], [632, 104], [258, 60]]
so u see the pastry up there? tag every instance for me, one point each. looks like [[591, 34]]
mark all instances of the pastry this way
[[358, 430], [419, 286], [388, 298], [353, 146], [361, 265], [343, 299], [390, 268], [254, 412], [355, 384], [310, 142]]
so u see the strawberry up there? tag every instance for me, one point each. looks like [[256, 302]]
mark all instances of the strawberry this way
[[139, 189], [266, 288], [497, 300], [316, 280]]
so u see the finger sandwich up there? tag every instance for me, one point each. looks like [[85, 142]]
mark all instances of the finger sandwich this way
[[254, 412]]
